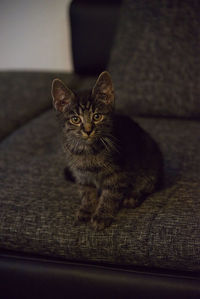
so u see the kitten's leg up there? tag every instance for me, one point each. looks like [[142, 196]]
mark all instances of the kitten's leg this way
[[114, 189], [143, 186], [89, 202], [109, 204]]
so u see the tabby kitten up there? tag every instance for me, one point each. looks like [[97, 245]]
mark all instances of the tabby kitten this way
[[114, 162]]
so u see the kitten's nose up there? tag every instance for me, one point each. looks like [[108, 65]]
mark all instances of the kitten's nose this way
[[88, 132], [88, 129]]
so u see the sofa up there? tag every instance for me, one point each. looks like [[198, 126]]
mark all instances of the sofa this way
[[152, 251]]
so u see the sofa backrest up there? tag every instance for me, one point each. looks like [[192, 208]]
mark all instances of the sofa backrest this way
[[93, 25], [155, 61]]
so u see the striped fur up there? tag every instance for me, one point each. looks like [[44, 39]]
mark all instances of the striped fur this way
[[114, 162]]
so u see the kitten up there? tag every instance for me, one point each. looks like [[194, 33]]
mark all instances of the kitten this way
[[114, 162]]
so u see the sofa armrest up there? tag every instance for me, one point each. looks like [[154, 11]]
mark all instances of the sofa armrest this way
[[24, 95]]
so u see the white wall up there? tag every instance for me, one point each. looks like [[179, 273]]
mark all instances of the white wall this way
[[35, 35]]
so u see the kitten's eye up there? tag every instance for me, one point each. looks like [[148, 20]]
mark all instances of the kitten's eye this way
[[75, 120], [97, 117]]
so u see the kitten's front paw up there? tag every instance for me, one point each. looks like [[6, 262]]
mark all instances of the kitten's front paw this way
[[83, 215], [100, 222], [130, 203], [133, 202]]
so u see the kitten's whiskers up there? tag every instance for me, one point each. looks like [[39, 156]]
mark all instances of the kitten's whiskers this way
[[109, 144], [104, 143]]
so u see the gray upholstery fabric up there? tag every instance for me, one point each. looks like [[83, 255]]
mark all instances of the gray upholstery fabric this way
[[24, 95], [155, 63], [180, 143], [37, 205]]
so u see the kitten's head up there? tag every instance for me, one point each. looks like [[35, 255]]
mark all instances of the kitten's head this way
[[87, 116]]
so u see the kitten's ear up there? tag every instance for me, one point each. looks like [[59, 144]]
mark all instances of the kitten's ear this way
[[62, 95], [103, 89]]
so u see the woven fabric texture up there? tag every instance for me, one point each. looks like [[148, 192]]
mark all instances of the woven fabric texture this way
[[155, 62], [37, 205]]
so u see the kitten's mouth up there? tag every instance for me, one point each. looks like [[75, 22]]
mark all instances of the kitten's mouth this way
[[88, 136], [88, 139]]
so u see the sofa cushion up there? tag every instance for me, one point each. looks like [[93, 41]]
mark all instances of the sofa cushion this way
[[155, 62], [24, 95], [37, 205]]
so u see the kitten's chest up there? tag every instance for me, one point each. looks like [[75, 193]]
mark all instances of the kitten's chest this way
[[89, 178], [89, 169]]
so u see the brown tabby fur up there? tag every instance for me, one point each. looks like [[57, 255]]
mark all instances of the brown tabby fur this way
[[114, 162]]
